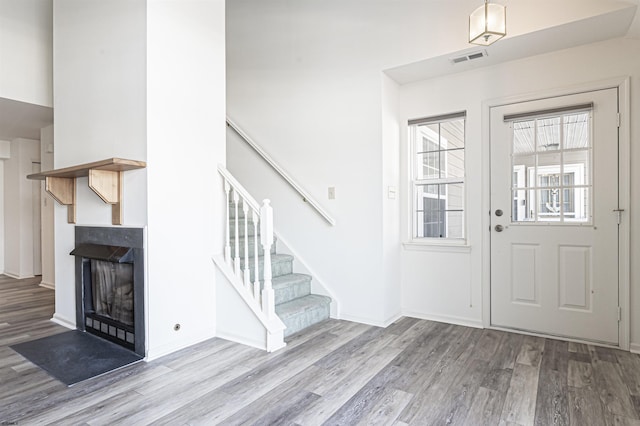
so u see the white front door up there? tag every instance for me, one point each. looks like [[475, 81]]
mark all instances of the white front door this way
[[554, 224]]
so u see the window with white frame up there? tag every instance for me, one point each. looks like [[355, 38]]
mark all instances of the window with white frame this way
[[437, 172]]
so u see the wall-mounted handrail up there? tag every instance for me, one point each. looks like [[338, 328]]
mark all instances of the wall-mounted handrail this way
[[305, 195]]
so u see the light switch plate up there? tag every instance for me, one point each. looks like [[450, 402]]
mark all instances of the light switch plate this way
[[391, 192], [332, 192]]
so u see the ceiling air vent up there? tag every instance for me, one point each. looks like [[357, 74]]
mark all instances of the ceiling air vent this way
[[469, 57]]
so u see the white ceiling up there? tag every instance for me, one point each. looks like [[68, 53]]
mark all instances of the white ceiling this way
[[22, 120], [634, 29], [618, 23]]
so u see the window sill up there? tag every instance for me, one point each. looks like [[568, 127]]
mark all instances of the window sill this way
[[437, 246]]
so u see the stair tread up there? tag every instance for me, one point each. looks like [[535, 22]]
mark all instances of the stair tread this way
[[296, 307], [301, 304], [275, 257], [279, 257], [289, 279], [232, 237]]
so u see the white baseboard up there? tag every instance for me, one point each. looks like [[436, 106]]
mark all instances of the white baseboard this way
[[392, 319], [466, 322], [242, 340], [368, 321], [60, 320], [163, 350], [50, 286], [17, 276], [635, 348]]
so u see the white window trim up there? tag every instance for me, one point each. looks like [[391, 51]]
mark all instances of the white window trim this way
[[427, 243], [434, 244]]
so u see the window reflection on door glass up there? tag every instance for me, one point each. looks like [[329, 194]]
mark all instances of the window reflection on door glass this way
[[551, 169], [548, 134]]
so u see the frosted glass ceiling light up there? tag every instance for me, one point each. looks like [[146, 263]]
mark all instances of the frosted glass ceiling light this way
[[487, 24]]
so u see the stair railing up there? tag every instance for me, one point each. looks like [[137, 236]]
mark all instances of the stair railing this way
[[261, 217], [306, 197]]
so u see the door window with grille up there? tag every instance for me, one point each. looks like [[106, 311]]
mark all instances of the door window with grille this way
[[551, 163]]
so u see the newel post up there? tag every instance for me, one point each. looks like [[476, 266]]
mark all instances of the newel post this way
[[266, 239]]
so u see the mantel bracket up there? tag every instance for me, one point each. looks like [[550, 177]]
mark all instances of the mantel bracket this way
[[106, 179], [63, 190], [108, 185]]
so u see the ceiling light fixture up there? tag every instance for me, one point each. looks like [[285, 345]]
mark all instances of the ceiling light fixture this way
[[487, 24]]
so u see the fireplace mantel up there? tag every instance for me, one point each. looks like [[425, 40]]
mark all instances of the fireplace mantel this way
[[105, 179]]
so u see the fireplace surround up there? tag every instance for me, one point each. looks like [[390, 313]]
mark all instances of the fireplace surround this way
[[110, 284]]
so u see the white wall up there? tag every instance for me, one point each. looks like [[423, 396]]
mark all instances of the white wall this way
[[47, 208], [297, 85], [26, 51], [18, 208], [235, 320], [445, 284], [145, 80], [390, 195], [304, 81], [5, 153], [186, 140], [100, 112]]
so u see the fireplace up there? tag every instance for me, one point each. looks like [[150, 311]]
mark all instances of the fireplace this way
[[110, 284]]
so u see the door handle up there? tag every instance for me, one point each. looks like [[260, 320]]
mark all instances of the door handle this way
[[499, 228], [498, 212]]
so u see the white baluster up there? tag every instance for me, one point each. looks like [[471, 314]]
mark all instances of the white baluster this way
[[236, 258], [247, 279], [266, 238], [227, 230], [256, 278]]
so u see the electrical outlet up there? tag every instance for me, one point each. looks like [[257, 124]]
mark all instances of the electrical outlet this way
[[332, 192]]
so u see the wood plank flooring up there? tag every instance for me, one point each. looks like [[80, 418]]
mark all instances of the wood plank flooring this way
[[414, 372]]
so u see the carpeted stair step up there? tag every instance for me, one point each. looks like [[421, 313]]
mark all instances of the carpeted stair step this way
[[295, 305], [250, 229], [281, 264], [232, 243], [232, 212], [291, 286], [303, 312]]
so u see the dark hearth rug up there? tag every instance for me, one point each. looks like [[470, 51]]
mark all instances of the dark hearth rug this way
[[74, 356]]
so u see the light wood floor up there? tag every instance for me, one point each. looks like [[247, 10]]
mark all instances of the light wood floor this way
[[338, 373]]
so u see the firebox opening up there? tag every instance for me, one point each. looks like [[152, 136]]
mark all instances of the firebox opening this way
[[110, 284], [108, 300], [112, 288]]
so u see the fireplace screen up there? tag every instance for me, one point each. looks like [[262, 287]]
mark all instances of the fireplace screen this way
[[112, 289], [110, 284]]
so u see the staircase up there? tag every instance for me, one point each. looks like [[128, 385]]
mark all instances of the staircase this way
[[296, 307]]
